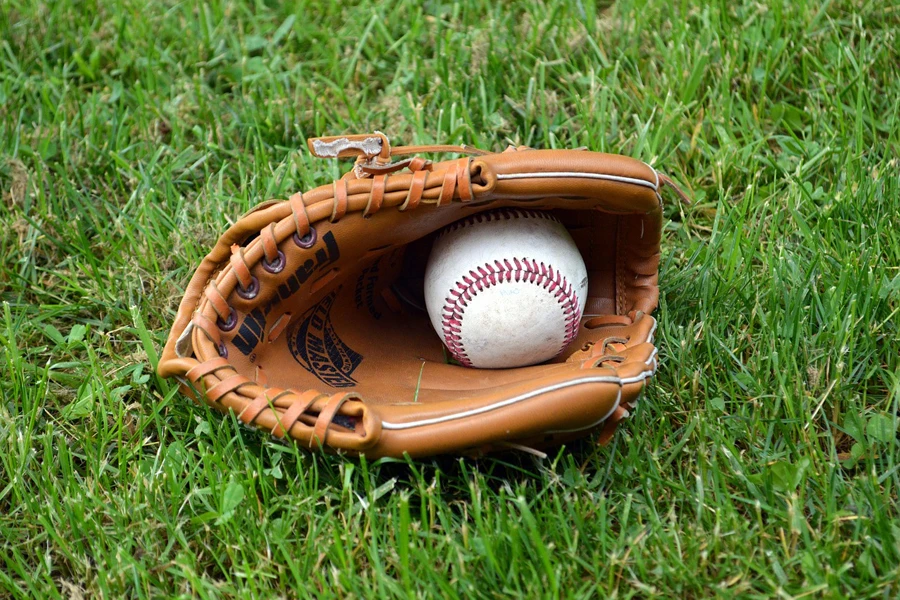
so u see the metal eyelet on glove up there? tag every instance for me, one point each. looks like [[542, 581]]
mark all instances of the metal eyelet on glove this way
[[228, 324], [277, 265], [308, 240], [250, 292]]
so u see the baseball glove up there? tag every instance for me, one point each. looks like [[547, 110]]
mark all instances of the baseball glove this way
[[306, 318]]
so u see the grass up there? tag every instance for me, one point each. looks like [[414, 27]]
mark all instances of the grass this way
[[764, 459]]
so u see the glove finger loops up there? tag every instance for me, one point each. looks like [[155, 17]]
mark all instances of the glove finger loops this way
[[301, 221], [227, 318], [274, 260], [286, 421], [211, 331], [614, 358], [205, 368], [415, 191], [376, 196], [248, 284], [253, 409], [464, 180], [605, 346], [340, 200], [229, 384], [448, 187], [325, 419]]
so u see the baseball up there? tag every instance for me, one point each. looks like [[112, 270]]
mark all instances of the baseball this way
[[505, 288]]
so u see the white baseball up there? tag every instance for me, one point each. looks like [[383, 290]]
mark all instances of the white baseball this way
[[505, 288]]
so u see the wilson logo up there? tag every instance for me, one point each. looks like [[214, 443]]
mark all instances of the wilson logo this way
[[252, 330], [250, 333]]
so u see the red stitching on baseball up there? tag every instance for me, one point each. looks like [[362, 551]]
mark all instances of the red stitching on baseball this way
[[489, 275]]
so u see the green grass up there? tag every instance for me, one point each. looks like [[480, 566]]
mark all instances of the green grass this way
[[764, 459]]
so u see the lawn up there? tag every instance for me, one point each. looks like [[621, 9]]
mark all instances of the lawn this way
[[763, 460]]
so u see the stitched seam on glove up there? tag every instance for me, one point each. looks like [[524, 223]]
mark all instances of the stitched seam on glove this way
[[495, 215]]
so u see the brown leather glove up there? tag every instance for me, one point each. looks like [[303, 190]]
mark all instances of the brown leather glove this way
[[306, 318]]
